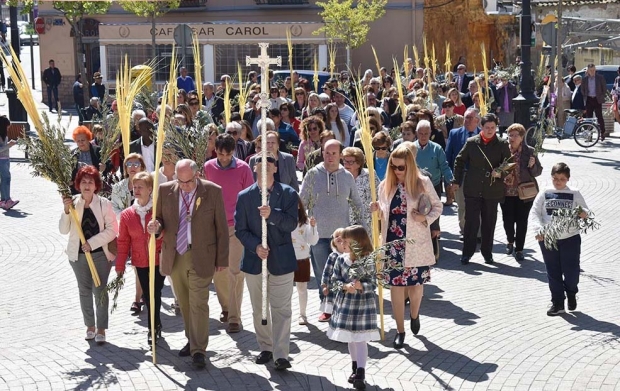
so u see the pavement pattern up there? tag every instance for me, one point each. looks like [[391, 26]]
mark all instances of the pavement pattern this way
[[484, 327]]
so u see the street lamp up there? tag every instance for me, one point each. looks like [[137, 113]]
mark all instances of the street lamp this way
[[526, 98]]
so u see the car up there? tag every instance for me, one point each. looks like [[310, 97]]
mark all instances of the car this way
[[609, 71], [25, 37]]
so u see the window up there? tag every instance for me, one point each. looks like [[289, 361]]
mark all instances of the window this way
[[227, 57], [141, 54]]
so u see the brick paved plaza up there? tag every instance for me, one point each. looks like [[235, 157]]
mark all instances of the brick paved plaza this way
[[483, 327]]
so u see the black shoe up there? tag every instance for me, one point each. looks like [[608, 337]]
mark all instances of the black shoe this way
[[572, 303], [556, 309], [461, 238], [358, 380], [509, 248], [185, 351], [354, 367], [264, 357], [415, 325], [157, 335], [489, 260], [282, 364], [465, 260], [399, 340], [199, 361], [519, 256]]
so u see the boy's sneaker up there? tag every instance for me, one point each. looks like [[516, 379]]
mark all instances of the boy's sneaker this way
[[572, 303], [10, 204], [556, 309]]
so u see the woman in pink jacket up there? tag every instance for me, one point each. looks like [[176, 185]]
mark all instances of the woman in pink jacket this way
[[133, 238], [407, 204]]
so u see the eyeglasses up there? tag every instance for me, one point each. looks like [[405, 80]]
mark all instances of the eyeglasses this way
[[232, 132], [133, 164], [177, 112], [269, 160], [187, 181], [470, 117], [380, 148], [398, 168], [194, 103], [349, 161]]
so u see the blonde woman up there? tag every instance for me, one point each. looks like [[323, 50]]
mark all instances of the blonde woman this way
[[403, 196], [455, 96], [337, 125], [314, 102]]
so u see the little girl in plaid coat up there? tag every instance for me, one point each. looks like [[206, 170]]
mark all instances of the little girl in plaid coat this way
[[326, 284], [354, 317]]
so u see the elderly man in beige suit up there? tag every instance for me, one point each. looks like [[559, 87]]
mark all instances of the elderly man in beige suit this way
[[192, 219]]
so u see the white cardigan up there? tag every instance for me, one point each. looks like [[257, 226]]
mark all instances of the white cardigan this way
[[418, 252], [108, 227]]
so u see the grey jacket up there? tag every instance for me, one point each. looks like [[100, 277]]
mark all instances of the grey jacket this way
[[328, 197], [601, 87]]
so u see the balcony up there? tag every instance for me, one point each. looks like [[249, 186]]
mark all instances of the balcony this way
[[281, 2], [192, 3]]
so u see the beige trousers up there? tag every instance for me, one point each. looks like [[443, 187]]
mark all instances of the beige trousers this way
[[276, 335], [229, 283], [193, 295]]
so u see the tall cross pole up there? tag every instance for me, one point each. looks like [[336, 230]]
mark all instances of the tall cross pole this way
[[264, 61]]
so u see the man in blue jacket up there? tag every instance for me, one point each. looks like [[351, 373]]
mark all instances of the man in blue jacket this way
[[456, 141], [281, 214]]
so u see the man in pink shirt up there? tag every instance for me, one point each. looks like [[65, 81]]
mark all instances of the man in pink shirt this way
[[232, 175]]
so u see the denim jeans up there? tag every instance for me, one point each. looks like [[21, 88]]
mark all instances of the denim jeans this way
[[53, 90], [319, 253], [5, 179]]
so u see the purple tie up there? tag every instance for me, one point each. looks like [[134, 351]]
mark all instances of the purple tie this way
[[183, 226], [506, 101]]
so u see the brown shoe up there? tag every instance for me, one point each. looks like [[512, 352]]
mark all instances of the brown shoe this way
[[233, 328], [224, 317]]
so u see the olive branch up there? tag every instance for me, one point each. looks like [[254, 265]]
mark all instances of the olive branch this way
[[565, 219]]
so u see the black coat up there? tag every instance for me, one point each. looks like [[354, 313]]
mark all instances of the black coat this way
[[476, 178]]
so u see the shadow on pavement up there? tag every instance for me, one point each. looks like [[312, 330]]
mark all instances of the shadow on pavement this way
[[448, 361], [434, 307], [582, 321]]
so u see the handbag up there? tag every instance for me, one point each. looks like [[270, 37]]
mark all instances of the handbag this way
[[424, 204], [527, 190]]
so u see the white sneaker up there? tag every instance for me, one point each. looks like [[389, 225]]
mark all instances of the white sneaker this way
[[303, 320], [90, 335], [100, 339]]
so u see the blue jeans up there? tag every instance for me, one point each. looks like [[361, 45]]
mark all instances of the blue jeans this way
[[53, 90], [563, 267], [5, 180], [318, 254]]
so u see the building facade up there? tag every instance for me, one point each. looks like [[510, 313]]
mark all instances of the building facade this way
[[227, 31]]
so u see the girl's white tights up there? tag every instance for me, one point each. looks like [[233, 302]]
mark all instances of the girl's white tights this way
[[302, 292], [359, 353]]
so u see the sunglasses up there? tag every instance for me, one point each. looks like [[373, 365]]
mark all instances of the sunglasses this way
[[398, 168], [133, 164], [269, 160], [380, 148], [313, 128], [232, 132], [194, 103], [299, 93]]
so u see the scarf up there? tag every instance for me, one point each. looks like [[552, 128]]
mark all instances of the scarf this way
[[486, 140], [142, 210]]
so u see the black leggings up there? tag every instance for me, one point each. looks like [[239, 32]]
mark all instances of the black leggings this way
[[143, 276]]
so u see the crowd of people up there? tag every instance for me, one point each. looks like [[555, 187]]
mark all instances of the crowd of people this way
[[208, 220]]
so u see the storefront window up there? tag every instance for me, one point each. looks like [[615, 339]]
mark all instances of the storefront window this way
[[227, 57], [142, 54]]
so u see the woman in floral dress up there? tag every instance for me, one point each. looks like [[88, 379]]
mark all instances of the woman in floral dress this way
[[405, 220]]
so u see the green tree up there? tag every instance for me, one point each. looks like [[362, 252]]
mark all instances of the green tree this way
[[150, 10], [74, 12], [349, 22]]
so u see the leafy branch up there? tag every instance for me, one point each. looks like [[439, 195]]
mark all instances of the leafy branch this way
[[563, 221]]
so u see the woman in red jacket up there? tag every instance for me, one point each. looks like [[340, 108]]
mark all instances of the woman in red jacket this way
[[133, 238]]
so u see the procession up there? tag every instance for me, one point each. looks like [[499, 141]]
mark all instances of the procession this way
[[320, 223]]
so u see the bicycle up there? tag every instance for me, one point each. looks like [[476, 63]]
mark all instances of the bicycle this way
[[585, 131]]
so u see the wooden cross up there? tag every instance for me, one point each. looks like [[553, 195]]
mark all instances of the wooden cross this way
[[263, 61]]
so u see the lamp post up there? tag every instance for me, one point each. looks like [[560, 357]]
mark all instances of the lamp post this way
[[526, 98]]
